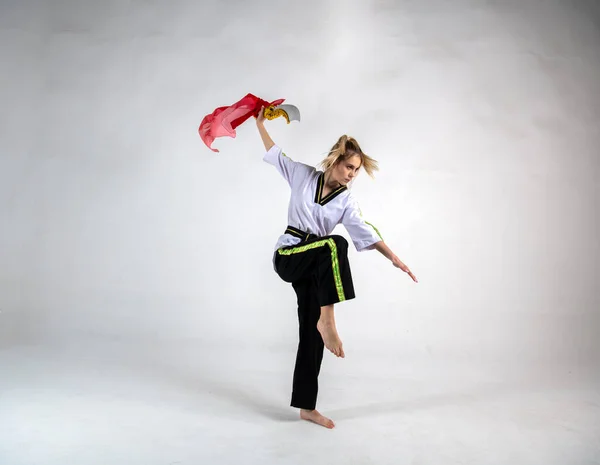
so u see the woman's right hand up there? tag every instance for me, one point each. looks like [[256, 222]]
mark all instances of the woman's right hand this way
[[261, 116], [262, 130]]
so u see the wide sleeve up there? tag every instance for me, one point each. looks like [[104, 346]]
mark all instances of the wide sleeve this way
[[363, 234], [285, 165]]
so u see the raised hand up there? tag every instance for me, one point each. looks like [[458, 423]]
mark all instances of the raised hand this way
[[261, 116]]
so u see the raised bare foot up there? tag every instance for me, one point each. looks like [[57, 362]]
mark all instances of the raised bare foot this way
[[330, 337], [316, 417]]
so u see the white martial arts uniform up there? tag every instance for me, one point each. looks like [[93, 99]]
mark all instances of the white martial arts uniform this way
[[310, 212]]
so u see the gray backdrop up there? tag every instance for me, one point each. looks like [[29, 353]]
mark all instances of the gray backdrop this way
[[118, 224]]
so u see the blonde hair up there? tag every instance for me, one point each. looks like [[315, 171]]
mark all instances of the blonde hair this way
[[345, 148]]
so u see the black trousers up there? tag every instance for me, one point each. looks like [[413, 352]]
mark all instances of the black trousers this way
[[319, 272]]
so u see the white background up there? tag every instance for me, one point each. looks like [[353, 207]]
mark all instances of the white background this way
[[125, 241]]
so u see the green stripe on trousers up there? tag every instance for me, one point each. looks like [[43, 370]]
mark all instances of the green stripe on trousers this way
[[335, 264]]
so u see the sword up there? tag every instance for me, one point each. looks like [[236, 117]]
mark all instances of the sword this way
[[289, 112]]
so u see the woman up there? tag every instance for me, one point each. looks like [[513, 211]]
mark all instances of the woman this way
[[316, 262]]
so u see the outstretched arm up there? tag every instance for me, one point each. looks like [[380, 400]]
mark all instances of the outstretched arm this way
[[260, 124], [387, 253], [366, 236]]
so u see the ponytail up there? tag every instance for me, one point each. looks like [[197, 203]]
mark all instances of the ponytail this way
[[343, 149]]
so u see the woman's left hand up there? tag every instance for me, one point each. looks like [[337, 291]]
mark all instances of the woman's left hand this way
[[398, 264]]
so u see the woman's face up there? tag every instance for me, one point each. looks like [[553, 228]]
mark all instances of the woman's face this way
[[346, 170]]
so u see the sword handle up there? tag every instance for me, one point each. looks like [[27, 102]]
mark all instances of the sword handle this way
[[271, 113]]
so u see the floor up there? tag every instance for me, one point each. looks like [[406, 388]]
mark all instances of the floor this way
[[113, 401]]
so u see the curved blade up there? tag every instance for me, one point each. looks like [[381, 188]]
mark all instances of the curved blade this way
[[291, 110]]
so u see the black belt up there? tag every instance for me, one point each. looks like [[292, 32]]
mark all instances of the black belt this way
[[304, 236]]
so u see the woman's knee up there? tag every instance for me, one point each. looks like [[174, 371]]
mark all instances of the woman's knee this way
[[340, 241], [339, 246]]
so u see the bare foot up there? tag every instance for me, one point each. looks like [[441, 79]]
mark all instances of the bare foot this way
[[330, 337], [316, 417]]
